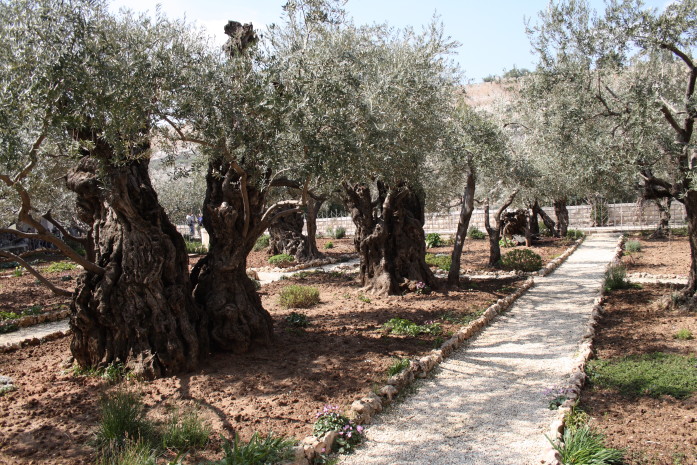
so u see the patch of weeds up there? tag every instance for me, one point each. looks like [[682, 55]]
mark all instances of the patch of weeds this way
[[653, 375], [329, 419], [683, 335], [18, 272], [195, 247], [5, 388], [364, 299], [33, 310], [114, 372], [296, 296], [521, 259], [631, 247], [337, 233], [438, 341], [680, 232], [10, 328], [556, 396], [122, 419], [422, 288], [398, 366], [441, 261], [574, 234], [58, 267], [474, 233], [298, 320], [506, 242], [616, 278], [281, 259], [467, 319], [262, 242], [329, 245], [185, 431], [544, 230], [8, 265], [576, 418], [582, 446], [258, 451], [128, 452], [405, 327], [9, 315], [433, 240]]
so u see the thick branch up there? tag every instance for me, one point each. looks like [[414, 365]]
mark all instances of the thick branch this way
[[39, 276], [671, 120], [47, 216]]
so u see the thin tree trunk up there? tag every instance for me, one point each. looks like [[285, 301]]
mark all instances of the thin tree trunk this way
[[562, 215], [534, 221], [690, 200], [549, 222], [313, 206], [664, 221], [495, 232], [139, 312], [389, 237], [466, 210]]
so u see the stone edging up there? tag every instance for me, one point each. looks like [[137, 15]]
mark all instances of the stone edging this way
[[34, 341], [577, 378], [311, 264], [31, 320]]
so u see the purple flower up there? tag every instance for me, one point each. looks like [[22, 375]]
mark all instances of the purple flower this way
[[359, 428]]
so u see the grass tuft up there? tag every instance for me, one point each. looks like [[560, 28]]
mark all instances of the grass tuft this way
[[441, 261], [122, 418], [398, 366], [631, 247], [583, 446], [257, 451], [616, 278], [296, 296], [405, 327], [281, 259], [185, 431], [57, 267], [683, 335]]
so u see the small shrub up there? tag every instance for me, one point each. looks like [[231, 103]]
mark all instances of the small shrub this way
[[10, 328], [57, 267], [262, 242], [544, 230], [683, 335], [329, 245], [130, 452], [441, 261], [281, 259], [631, 247], [122, 418], [616, 278], [33, 310], [422, 288], [337, 233], [653, 375], [113, 372], [681, 232], [474, 233], [18, 272], [556, 396], [8, 316], [583, 446], [521, 259], [506, 242], [298, 320], [296, 296], [433, 240], [364, 299], [195, 247], [329, 419], [185, 431], [398, 366], [405, 327], [8, 265], [258, 451], [574, 234]]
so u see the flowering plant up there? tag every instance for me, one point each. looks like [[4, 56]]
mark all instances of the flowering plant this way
[[557, 396], [329, 419], [422, 288]]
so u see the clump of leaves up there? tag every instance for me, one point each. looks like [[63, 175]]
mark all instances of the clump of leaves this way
[[113, 372], [506, 242], [18, 272], [683, 335], [337, 233], [616, 278], [258, 451], [653, 374], [631, 247], [521, 259], [364, 299], [406, 327], [195, 247], [185, 431], [262, 242], [329, 419], [8, 316], [556, 397], [441, 261], [122, 418], [281, 259], [298, 320], [433, 240], [574, 234], [474, 233], [582, 446], [398, 366], [58, 267], [296, 296], [329, 245]]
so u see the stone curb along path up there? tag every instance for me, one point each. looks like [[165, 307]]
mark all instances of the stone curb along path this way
[[486, 405]]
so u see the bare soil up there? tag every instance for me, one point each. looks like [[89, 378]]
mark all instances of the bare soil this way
[[654, 431], [670, 256]]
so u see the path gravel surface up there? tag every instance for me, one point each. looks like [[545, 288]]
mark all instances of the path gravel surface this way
[[486, 404]]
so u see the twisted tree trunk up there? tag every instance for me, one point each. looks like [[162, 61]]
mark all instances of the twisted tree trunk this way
[[562, 215], [233, 216], [389, 236], [466, 210], [313, 206], [549, 222], [664, 220], [139, 311], [534, 221], [495, 232], [286, 236]]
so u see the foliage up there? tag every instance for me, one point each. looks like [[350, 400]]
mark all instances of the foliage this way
[[329, 419], [296, 296], [258, 451], [433, 240], [364, 299], [583, 446], [683, 334], [281, 259], [574, 234], [185, 431], [544, 230], [521, 259], [113, 372], [422, 288], [9, 328], [298, 320], [441, 261], [474, 233], [122, 418], [195, 247], [262, 243], [653, 374], [18, 272], [130, 452], [406, 327], [631, 247], [398, 366], [57, 267], [616, 278], [556, 396], [506, 242], [329, 245], [680, 232], [337, 233]]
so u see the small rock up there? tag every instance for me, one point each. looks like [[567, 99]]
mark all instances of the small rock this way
[[389, 392]]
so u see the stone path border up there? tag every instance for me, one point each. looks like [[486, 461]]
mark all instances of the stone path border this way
[[34, 335]]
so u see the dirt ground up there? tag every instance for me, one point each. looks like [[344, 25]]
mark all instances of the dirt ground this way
[[670, 256], [654, 431]]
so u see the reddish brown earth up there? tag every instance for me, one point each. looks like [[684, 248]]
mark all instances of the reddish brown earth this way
[[654, 431], [670, 256]]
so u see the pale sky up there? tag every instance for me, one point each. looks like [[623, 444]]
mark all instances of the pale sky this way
[[491, 33]]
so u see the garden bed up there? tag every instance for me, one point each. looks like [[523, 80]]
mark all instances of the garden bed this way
[[669, 256], [344, 353]]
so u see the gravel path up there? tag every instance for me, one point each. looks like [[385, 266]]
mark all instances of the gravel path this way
[[35, 331], [486, 405]]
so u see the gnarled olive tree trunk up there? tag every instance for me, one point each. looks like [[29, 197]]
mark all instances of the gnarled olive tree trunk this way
[[389, 236], [562, 215], [313, 206], [664, 217], [232, 214], [549, 222], [534, 221], [495, 231], [286, 236], [466, 210], [139, 311]]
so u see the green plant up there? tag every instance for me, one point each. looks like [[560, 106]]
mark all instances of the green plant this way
[[5, 388], [195, 247], [122, 418], [33, 310], [544, 230], [10, 328], [296, 296], [297, 320], [631, 247], [129, 452], [521, 259], [583, 446], [337, 233], [653, 374], [405, 327], [267, 451], [8, 265], [329, 245], [433, 240], [441, 261], [506, 242], [398, 366], [329, 419], [281, 259], [574, 234], [364, 299], [474, 233], [262, 242], [8, 316], [57, 267], [18, 272], [185, 431], [616, 278], [576, 418], [683, 334], [680, 232], [113, 372]]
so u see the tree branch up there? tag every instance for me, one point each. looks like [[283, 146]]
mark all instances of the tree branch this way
[[81, 240], [39, 276]]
